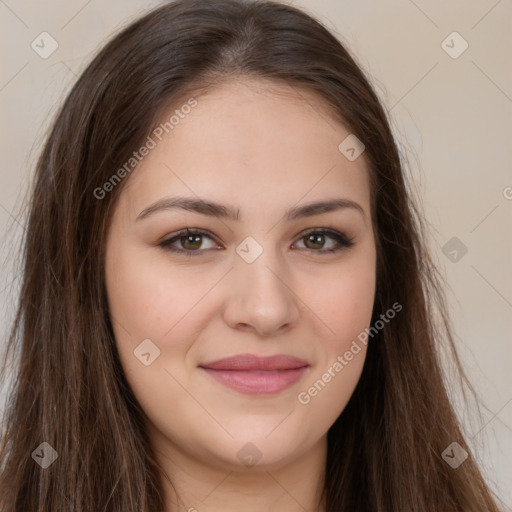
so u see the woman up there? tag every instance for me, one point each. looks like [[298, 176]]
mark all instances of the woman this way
[[227, 300]]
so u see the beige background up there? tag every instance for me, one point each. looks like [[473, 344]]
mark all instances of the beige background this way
[[453, 118]]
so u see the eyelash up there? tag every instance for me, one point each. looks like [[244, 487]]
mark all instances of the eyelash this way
[[343, 241]]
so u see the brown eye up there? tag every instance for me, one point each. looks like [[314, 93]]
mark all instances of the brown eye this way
[[191, 242], [316, 240]]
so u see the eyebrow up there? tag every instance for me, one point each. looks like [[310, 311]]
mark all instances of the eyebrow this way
[[224, 211]]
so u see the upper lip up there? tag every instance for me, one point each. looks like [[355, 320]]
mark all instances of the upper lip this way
[[251, 362]]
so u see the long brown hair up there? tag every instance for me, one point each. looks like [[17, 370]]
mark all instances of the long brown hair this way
[[384, 450]]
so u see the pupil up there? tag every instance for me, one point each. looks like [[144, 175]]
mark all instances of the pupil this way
[[192, 239], [319, 240]]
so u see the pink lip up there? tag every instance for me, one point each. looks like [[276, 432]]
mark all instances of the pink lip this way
[[252, 374]]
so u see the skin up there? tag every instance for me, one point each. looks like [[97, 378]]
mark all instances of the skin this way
[[263, 148]]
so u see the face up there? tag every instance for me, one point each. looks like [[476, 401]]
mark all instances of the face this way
[[237, 338]]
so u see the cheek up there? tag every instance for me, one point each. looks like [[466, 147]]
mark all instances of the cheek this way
[[351, 306], [344, 300], [146, 302], [146, 297], [344, 303]]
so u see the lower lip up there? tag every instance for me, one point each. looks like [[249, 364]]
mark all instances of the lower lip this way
[[257, 382]]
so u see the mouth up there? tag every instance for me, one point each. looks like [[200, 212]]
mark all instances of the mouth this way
[[255, 375]]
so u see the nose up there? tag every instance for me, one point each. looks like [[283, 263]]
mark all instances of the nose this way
[[260, 297]]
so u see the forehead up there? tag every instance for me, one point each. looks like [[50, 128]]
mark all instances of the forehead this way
[[251, 140]]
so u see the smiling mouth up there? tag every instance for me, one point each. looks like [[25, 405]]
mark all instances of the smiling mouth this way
[[251, 374]]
